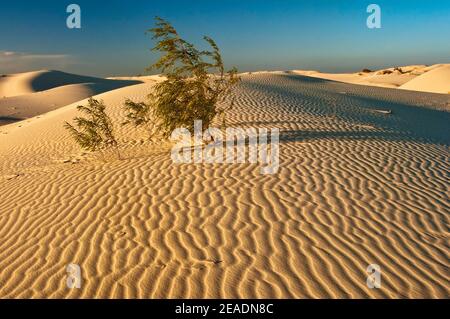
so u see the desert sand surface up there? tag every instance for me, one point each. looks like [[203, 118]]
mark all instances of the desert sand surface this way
[[29, 94], [356, 186], [434, 78]]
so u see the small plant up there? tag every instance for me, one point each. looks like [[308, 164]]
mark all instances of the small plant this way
[[366, 71], [196, 81], [140, 115], [398, 69], [94, 133], [384, 72]]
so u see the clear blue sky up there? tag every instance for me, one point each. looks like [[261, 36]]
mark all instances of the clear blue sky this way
[[253, 34]]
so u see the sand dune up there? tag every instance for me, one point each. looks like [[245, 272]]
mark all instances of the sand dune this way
[[436, 80], [355, 187], [34, 93], [140, 78], [412, 77], [37, 81]]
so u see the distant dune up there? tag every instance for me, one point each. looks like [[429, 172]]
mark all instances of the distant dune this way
[[37, 81], [435, 78], [33, 93], [357, 185]]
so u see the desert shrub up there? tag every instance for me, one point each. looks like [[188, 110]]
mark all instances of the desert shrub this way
[[94, 133], [140, 115], [196, 81], [366, 71]]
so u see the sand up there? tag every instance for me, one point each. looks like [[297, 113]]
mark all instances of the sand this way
[[355, 187], [29, 94], [434, 78]]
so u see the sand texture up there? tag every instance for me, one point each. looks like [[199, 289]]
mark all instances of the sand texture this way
[[355, 187], [29, 94]]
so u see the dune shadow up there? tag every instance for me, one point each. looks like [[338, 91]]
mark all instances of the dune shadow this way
[[424, 122], [10, 118], [299, 135], [37, 103], [108, 85], [4, 120], [305, 78], [358, 105], [52, 79]]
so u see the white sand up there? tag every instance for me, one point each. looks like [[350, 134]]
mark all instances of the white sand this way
[[25, 95], [435, 78], [355, 187]]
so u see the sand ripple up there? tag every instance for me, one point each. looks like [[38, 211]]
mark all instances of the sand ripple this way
[[355, 187]]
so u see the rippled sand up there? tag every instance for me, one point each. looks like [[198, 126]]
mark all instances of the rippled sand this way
[[355, 187]]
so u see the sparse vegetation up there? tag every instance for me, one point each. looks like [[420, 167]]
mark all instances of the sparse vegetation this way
[[140, 115], [398, 69], [195, 84], [94, 133], [196, 81], [366, 71]]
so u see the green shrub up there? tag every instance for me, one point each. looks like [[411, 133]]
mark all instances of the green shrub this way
[[95, 132], [140, 115], [196, 81]]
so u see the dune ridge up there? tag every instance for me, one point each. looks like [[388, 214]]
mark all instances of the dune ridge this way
[[436, 80], [37, 81], [34, 93], [433, 79], [355, 187]]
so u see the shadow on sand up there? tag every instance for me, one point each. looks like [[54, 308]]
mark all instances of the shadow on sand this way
[[356, 105]]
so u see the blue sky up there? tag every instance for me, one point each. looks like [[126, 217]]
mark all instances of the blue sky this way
[[324, 35]]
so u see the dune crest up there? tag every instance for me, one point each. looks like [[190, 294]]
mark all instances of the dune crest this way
[[37, 81], [436, 80], [34, 93], [433, 79]]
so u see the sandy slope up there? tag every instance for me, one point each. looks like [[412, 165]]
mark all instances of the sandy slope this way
[[37, 81], [435, 78], [355, 187], [33, 93]]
